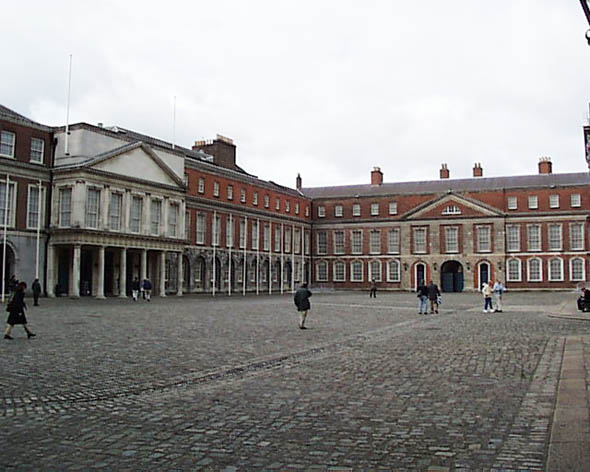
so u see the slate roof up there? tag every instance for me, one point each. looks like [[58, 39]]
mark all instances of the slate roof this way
[[7, 113], [475, 184]]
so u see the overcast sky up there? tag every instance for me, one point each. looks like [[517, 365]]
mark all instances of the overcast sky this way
[[328, 89]]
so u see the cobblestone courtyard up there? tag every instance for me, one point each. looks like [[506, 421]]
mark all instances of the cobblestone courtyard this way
[[196, 383]]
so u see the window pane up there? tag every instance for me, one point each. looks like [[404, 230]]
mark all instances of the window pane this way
[[65, 206], [92, 208], [115, 211]]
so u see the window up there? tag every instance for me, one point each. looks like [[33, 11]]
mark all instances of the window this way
[[393, 208], [419, 240], [201, 225], [296, 208], [155, 216], [135, 217], [277, 240], [266, 238], [255, 199], [306, 242], [216, 229], [115, 211], [37, 150], [577, 269], [451, 239], [484, 240], [65, 205], [356, 210], [187, 225], [255, 233], [356, 271], [555, 239], [321, 271], [514, 267], [374, 209], [452, 210], [242, 233], [34, 218], [338, 242], [216, 189], [513, 238], [288, 240], [576, 236], [173, 210], [576, 200], [7, 143], [321, 211], [535, 270], [375, 242], [357, 241], [533, 202], [230, 192], [339, 271], [296, 240], [266, 201], [534, 237], [201, 188], [322, 242], [243, 195], [338, 211], [554, 201], [92, 207], [393, 241], [306, 211], [393, 271], [375, 271], [512, 203], [277, 204], [288, 206], [556, 269], [185, 179]]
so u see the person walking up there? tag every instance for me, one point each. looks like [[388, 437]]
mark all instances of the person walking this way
[[498, 291], [423, 296], [135, 289], [373, 292], [147, 290], [487, 292], [36, 287], [433, 294], [301, 300], [16, 312]]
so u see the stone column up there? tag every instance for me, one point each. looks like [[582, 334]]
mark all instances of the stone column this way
[[180, 275], [143, 266], [123, 273], [50, 279], [100, 275], [75, 272], [163, 274]]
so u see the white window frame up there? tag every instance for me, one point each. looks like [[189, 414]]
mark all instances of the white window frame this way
[[92, 219], [266, 237], [513, 238], [356, 209], [580, 240], [230, 192], [321, 211], [61, 209], [374, 209], [156, 216], [201, 228], [453, 246], [552, 242], [482, 244], [296, 240], [288, 206], [416, 249], [512, 203], [356, 246], [278, 204], [539, 261], [339, 248], [187, 225], [533, 202], [322, 242], [391, 273], [551, 276], [173, 217], [243, 195], [297, 208], [451, 210], [3, 143], [132, 220], [554, 200], [375, 241], [393, 208], [582, 278], [339, 271], [354, 264], [216, 189], [34, 200], [338, 211], [534, 229], [216, 230], [277, 240], [37, 151], [379, 276], [509, 277], [575, 200], [321, 275], [394, 241], [266, 201], [255, 199], [243, 232], [255, 236], [113, 216], [201, 186]]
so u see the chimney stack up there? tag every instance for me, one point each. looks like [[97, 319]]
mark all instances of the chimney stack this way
[[222, 149], [545, 165], [444, 172], [376, 176], [477, 170], [298, 182]]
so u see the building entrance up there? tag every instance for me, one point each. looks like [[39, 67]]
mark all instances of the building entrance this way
[[452, 276]]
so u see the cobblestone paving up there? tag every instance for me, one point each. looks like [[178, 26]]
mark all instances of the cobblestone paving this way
[[183, 384]]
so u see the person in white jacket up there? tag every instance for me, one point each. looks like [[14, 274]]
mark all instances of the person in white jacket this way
[[487, 292], [498, 291]]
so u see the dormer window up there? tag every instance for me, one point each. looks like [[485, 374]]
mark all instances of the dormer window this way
[[452, 210]]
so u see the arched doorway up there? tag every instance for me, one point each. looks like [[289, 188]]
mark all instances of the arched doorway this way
[[452, 276], [420, 274], [484, 274]]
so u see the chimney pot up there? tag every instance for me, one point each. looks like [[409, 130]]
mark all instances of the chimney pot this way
[[477, 170], [444, 171], [376, 176], [545, 165], [298, 182]]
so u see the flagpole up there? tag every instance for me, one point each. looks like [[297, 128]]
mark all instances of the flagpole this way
[[67, 147], [6, 195], [244, 264], [230, 228], [214, 274], [257, 256], [38, 232]]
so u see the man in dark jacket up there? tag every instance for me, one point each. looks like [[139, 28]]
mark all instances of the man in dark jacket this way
[[301, 300], [433, 293], [36, 287]]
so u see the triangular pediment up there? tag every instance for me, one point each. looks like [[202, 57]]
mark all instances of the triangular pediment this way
[[452, 206], [136, 160]]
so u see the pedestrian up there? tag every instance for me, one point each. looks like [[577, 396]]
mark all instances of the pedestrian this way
[[16, 312], [498, 291], [301, 300], [487, 292], [36, 292], [423, 296], [373, 292], [12, 284], [147, 289], [433, 294], [135, 289]]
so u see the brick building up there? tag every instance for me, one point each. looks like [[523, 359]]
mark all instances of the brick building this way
[[531, 231]]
